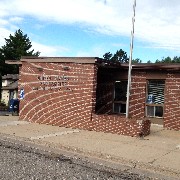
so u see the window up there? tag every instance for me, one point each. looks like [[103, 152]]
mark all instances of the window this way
[[155, 98], [120, 96]]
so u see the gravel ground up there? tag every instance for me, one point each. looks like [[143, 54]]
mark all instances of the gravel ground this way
[[18, 161]]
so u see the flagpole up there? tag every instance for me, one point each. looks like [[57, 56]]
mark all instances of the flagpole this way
[[130, 62]]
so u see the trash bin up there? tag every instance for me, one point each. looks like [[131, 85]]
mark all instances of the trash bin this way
[[14, 106]]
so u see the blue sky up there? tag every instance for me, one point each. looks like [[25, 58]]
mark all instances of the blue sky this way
[[94, 27]]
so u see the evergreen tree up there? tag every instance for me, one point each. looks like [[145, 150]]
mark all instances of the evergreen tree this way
[[107, 56], [119, 56], [176, 59], [16, 45], [137, 60]]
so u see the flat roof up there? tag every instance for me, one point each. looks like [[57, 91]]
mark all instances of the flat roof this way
[[152, 66], [84, 60], [35, 59], [13, 62], [95, 60], [10, 76]]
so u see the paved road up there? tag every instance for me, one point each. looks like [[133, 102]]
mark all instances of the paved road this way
[[20, 162]]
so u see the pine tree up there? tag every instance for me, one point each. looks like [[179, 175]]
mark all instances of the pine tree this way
[[16, 45]]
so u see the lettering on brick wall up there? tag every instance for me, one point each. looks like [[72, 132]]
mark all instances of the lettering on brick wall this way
[[52, 82]]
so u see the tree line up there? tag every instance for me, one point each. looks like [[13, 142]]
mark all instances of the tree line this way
[[121, 56]]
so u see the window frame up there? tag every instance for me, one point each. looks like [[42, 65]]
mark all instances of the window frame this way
[[154, 104]]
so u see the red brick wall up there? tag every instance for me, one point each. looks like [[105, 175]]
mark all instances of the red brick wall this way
[[137, 95], [120, 125], [71, 99], [172, 102]]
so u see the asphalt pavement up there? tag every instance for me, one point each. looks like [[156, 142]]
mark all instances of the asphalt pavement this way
[[158, 153], [27, 163]]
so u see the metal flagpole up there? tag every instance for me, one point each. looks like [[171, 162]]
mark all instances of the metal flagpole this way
[[130, 62]]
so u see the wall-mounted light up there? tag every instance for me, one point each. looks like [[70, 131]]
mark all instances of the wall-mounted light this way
[[66, 68], [40, 68]]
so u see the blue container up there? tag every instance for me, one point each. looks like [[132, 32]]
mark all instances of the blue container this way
[[14, 105]]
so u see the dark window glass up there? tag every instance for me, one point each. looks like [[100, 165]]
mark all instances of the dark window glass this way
[[159, 111], [120, 91], [119, 108], [120, 96]]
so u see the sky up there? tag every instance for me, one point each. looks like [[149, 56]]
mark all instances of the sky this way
[[90, 28]]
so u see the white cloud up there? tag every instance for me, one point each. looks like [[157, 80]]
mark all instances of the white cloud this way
[[4, 33], [119, 44], [49, 50], [95, 51], [95, 13], [15, 19], [160, 24], [157, 21], [3, 22]]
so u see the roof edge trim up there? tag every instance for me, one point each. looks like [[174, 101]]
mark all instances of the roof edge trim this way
[[83, 60]]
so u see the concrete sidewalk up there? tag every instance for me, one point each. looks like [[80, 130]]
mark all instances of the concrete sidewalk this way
[[159, 152]]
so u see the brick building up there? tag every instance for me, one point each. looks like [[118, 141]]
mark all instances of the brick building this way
[[89, 93]]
